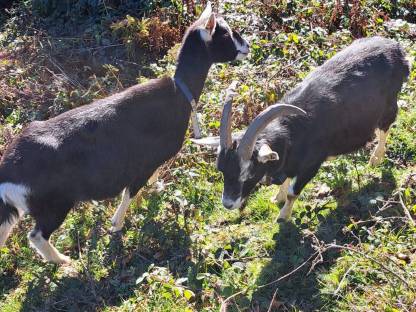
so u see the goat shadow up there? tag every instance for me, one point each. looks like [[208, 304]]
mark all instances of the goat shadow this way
[[125, 264], [301, 291]]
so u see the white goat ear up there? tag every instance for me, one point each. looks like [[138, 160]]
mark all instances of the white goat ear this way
[[212, 142], [266, 154]]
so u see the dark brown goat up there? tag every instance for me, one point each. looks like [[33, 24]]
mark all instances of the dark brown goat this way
[[96, 151]]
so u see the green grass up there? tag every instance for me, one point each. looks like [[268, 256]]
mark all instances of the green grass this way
[[180, 250]]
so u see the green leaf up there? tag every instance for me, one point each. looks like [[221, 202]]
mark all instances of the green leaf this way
[[188, 294], [166, 295]]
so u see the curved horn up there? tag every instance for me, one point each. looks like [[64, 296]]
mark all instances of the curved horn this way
[[246, 147], [225, 127]]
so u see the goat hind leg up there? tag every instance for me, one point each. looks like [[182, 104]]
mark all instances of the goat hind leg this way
[[298, 183], [389, 116], [42, 244], [117, 220], [6, 227], [378, 153], [48, 219]]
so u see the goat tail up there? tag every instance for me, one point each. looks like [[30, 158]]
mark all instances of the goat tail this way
[[7, 212], [9, 215]]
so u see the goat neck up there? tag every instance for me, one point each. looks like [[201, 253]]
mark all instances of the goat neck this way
[[193, 65]]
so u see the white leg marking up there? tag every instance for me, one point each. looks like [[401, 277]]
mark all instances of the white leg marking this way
[[46, 250], [378, 154], [281, 196], [154, 177], [5, 230], [286, 211], [15, 195], [117, 220]]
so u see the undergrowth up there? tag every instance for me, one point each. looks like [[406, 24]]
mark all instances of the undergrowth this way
[[351, 243]]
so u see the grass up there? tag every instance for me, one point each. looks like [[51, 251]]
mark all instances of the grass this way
[[180, 250]]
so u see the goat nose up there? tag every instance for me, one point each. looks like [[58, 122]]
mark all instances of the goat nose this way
[[227, 202]]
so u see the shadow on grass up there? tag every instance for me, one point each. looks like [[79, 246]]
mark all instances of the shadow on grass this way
[[164, 243], [301, 291]]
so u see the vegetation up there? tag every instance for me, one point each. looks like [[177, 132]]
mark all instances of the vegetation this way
[[351, 245]]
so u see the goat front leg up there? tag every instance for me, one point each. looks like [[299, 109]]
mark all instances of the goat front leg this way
[[290, 197], [378, 154], [117, 220], [281, 196], [298, 183]]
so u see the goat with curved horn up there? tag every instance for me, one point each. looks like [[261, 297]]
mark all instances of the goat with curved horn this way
[[246, 146], [277, 148]]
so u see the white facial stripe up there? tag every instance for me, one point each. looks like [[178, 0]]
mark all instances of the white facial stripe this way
[[243, 48], [244, 173], [15, 195]]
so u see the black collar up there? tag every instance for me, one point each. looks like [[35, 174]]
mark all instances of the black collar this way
[[186, 92]]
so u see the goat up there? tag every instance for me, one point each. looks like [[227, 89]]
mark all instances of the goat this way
[[334, 111], [97, 150]]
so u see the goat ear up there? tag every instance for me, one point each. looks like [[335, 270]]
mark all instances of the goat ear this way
[[266, 154], [209, 28], [211, 24], [212, 142]]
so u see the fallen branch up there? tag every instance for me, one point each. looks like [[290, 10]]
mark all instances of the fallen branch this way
[[224, 304], [334, 246], [406, 211]]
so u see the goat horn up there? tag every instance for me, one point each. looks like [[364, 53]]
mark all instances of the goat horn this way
[[225, 127], [246, 146]]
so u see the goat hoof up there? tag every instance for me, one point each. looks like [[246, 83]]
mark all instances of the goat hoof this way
[[69, 271], [116, 228], [278, 199], [283, 218], [116, 225], [375, 161], [62, 260]]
